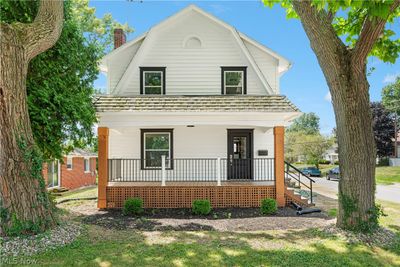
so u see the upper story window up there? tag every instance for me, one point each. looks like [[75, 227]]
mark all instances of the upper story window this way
[[234, 80], [152, 80]]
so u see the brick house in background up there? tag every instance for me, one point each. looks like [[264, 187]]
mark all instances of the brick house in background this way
[[78, 169]]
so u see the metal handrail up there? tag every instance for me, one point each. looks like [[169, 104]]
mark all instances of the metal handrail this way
[[298, 178]]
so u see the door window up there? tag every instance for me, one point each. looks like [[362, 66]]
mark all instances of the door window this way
[[239, 147]]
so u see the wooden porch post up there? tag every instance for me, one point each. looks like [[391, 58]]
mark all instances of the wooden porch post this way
[[103, 167], [279, 137]]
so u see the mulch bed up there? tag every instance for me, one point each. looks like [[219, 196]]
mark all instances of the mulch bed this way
[[229, 219]]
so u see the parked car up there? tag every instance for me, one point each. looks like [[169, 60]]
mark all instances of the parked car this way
[[333, 174], [311, 171]]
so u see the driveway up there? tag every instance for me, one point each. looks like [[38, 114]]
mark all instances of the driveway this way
[[383, 192]]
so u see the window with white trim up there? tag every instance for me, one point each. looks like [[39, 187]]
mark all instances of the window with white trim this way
[[233, 80], [155, 144], [69, 163], [152, 80], [86, 165]]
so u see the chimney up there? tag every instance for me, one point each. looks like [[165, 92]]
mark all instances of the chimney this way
[[119, 38]]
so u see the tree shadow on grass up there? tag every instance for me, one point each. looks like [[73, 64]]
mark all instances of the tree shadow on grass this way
[[219, 249]]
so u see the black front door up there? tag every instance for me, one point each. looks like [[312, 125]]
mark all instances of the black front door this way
[[240, 154]]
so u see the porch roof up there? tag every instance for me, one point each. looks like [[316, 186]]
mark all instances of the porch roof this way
[[209, 103]]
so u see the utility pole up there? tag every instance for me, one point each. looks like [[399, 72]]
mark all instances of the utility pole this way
[[395, 134]]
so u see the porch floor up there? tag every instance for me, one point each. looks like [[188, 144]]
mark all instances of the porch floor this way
[[194, 183]]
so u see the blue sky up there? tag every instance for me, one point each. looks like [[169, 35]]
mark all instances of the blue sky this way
[[304, 83]]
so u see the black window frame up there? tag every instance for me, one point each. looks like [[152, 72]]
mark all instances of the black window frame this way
[[142, 148], [229, 68], [143, 69]]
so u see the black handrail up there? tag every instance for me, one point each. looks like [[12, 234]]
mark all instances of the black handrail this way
[[298, 178]]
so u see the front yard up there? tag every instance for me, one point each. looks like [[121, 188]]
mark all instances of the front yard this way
[[384, 175], [112, 245], [387, 175]]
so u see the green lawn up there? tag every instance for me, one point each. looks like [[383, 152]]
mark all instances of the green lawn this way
[[79, 193], [388, 175], [106, 247], [384, 175]]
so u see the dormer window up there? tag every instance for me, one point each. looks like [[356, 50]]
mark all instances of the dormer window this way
[[234, 80], [152, 80]]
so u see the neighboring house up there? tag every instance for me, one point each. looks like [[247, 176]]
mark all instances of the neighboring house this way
[[332, 154], [395, 160], [193, 111], [78, 169]]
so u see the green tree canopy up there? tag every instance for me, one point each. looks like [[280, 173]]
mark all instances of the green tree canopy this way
[[348, 17], [307, 123], [310, 147], [383, 125], [391, 96], [60, 80]]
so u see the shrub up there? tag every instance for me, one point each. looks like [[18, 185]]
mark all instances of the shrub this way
[[268, 206], [383, 162], [133, 206], [201, 207], [324, 161], [336, 162]]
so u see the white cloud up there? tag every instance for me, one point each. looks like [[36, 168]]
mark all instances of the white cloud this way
[[328, 97], [390, 78]]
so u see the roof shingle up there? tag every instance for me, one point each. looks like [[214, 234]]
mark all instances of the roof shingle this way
[[212, 103]]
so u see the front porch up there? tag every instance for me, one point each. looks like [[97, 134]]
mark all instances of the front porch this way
[[226, 182]]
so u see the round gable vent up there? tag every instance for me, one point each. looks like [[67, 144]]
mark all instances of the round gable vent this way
[[192, 42]]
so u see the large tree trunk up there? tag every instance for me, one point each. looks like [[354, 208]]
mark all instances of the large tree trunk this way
[[24, 205], [345, 72], [356, 149]]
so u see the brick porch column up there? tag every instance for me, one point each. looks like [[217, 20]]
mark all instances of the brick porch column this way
[[279, 139], [103, 167]]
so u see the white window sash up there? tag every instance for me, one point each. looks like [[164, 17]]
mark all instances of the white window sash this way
[[86, 164], [71, 163], [168, 163], [152, 86], [233, 86]]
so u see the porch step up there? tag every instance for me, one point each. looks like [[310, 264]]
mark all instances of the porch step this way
[[297, 197]]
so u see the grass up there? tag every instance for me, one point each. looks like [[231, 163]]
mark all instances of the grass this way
[[90, 191], [100, 246], [386, 175]]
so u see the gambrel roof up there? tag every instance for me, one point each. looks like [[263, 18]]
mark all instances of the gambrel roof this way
[[240, 38]]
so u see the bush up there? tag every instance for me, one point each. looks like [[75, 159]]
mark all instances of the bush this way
[[336, 162], [383, 162], [268, 206], [324, 161], [133, 206], [201, 207]]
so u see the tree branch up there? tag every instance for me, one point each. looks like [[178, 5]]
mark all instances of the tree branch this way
[[371, 30], [323, 39], [45, 30]]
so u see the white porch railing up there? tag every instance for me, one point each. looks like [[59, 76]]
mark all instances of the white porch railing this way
[[190, 170]]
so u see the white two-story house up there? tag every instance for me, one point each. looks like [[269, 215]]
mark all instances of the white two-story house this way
[[193, 110]]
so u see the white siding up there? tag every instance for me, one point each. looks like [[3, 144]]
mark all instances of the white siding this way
[[267, 64], [197, 142], [191, 71], [118, 63]]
